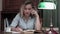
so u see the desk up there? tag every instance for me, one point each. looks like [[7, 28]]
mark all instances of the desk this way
[[2, 32]]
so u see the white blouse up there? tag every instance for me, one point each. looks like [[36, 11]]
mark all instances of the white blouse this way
[[30, 24]]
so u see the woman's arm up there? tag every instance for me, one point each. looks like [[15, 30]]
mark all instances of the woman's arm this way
[[38, 24], [15, 23]]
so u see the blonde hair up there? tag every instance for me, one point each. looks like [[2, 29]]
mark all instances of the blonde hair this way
[[23, 5]]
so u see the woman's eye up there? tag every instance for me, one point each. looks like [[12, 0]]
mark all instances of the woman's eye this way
[[29, 9]]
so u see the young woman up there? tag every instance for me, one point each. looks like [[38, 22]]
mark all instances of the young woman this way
[[27, 18]]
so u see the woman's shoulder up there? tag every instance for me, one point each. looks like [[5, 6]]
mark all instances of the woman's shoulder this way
[[18, 15]]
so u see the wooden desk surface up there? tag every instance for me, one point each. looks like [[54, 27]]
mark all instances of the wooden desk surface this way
[[2, 32]]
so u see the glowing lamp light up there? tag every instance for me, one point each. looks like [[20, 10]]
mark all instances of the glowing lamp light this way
[[46, 5]]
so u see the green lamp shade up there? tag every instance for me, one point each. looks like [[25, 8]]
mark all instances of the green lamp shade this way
[[46, 5]]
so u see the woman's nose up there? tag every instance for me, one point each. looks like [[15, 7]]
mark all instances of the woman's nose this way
[[27, 10]]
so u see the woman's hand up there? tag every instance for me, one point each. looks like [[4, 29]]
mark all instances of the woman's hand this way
[[34, 12], [18, 29]]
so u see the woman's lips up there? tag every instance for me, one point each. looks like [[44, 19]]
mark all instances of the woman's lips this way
[[26, 13]]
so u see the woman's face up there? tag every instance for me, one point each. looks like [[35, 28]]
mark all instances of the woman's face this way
[[27, 10]]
